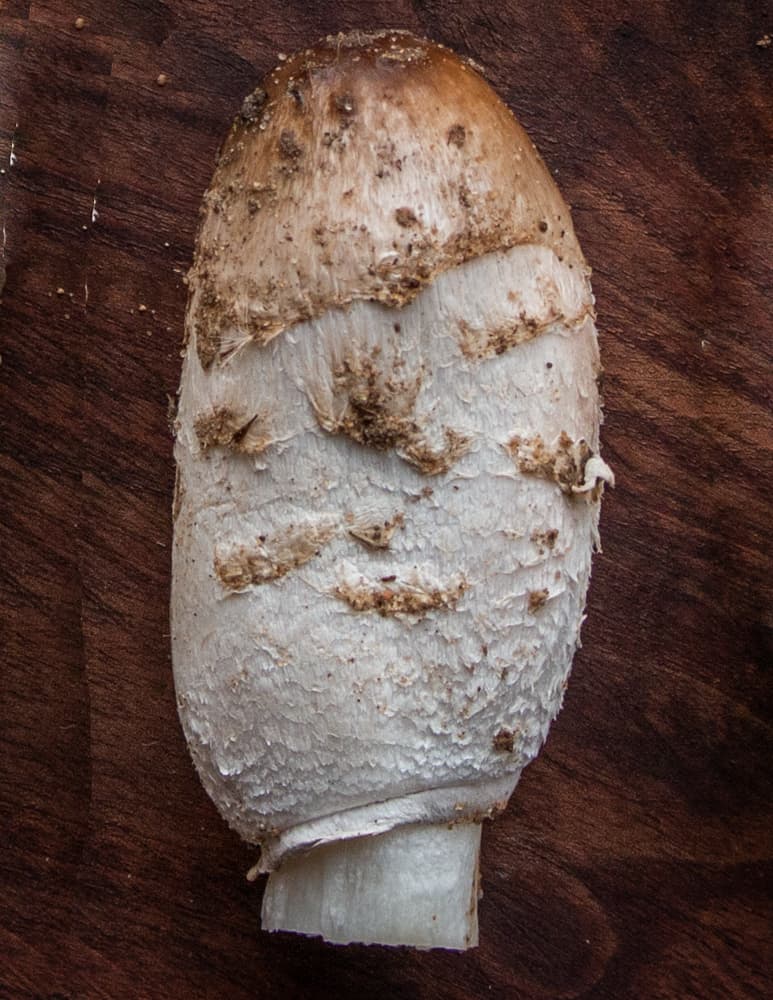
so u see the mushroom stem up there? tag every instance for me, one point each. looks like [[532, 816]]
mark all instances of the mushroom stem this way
[[415, 885]]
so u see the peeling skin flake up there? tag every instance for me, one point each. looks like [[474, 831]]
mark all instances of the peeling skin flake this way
[[564, 462], [378, 535]]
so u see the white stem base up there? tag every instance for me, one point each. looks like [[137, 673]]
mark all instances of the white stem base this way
[[415, 885]]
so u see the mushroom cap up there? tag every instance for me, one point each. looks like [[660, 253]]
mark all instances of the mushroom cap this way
[[355, 649], [361, 169]]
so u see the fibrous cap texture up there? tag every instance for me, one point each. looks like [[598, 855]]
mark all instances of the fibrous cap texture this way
[[361, 169]]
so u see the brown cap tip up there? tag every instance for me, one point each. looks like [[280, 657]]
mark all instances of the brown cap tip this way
[[361, 168]]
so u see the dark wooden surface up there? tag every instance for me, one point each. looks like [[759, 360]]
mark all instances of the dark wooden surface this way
[[635, 858]]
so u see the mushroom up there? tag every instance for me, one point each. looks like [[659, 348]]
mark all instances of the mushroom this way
[[388, 482]]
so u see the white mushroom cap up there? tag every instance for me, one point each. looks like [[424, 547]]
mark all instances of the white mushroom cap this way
[[388, 474]]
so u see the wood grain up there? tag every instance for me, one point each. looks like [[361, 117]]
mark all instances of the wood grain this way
[[635, 860]]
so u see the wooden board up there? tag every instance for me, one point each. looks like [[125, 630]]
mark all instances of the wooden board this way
[[635, 858]]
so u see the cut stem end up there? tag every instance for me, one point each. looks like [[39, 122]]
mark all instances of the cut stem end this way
[[415, 885]]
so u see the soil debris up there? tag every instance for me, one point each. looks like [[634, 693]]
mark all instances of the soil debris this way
[[378, 411], [253, 104], [456, 136], [434, 462], [289, 147], [478, 345], [545, 539], [379, 406], [404, 599], [271, 558], [504, 741], [538, 599], [345, 103], [406, 217], [564, 462], [223, 427]]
